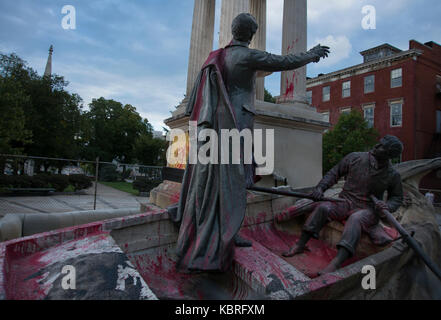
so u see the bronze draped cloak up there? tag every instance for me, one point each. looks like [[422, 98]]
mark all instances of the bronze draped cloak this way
[[213, 196]]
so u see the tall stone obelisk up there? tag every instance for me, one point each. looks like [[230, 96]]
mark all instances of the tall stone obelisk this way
[[48, 69]]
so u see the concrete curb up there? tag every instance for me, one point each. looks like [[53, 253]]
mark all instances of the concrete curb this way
[[14, 226]]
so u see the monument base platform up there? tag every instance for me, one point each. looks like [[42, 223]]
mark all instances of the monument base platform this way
[[298, 131]]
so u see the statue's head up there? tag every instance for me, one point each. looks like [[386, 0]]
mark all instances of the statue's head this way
[[389, 147], [244, 27]]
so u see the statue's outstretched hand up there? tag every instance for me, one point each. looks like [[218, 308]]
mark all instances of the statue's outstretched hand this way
[[319, 52]]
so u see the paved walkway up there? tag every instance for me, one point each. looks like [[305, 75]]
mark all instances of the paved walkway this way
[[107, 198]]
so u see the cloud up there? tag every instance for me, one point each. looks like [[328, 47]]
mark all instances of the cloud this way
[[340, 49], [153, 95], [156, 119]]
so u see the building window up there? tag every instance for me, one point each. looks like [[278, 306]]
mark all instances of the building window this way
[[345, 110], [369, 84], [346, 87], [396, 78], [326, 93], [325, 116], [309, 96], [369, 115], [396, 114]]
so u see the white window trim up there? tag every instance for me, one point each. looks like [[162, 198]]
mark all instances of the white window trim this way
[[345, 109], [323, 96], [328, 112], [369, 105], [308, 97], [391, 79], [391, 102], [364, 84], [343, 89]]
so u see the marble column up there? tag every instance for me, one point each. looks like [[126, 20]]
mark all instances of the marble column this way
[[202, 35], [294, 40], [258, 10], [229, 10]]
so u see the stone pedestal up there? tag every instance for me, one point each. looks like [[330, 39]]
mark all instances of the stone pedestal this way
[[165, 195], [297, 143]]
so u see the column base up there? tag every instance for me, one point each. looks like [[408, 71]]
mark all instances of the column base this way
[[165, 195]]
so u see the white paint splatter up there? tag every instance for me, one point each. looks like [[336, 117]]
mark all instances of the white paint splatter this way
[[130, 271], [73, 249]]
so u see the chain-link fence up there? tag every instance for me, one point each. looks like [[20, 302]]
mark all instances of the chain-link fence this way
[[31, 184]]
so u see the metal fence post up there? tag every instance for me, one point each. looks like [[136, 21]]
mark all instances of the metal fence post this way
[[96, 181]]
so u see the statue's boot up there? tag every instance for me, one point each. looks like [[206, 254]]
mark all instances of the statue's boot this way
[[241, 242]]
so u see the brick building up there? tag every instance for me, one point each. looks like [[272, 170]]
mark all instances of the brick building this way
[[399, 93]]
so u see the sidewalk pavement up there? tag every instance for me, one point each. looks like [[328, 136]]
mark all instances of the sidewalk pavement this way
[[107, 198]]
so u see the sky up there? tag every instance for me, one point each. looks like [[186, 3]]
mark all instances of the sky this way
[[136, 51]]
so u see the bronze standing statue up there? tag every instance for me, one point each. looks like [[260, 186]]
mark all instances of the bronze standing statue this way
[[213, 196], [367, 173]]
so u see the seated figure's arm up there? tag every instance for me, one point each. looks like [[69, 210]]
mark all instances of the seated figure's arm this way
[[261, 60], [332, 177]]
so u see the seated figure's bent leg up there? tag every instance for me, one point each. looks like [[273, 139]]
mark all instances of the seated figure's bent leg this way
[[315, 222], [321, 215], [357, 222]]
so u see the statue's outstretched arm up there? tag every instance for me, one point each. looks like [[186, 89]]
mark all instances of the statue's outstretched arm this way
[[261, 60]]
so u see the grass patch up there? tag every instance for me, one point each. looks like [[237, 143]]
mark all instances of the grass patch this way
[[122, 186], [70, 188]]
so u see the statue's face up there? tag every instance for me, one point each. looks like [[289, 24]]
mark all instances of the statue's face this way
[[380, 152]]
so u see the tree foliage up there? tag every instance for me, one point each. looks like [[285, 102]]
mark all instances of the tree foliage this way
[[268, 97], [151, 151], [350, 134], [40, 118], [114, 130], [13, 102]]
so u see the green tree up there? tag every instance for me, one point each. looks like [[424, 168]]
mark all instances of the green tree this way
[[268, 97], [113, 130], [151, 151], [39, 117], [13, 102], [350, 134]]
